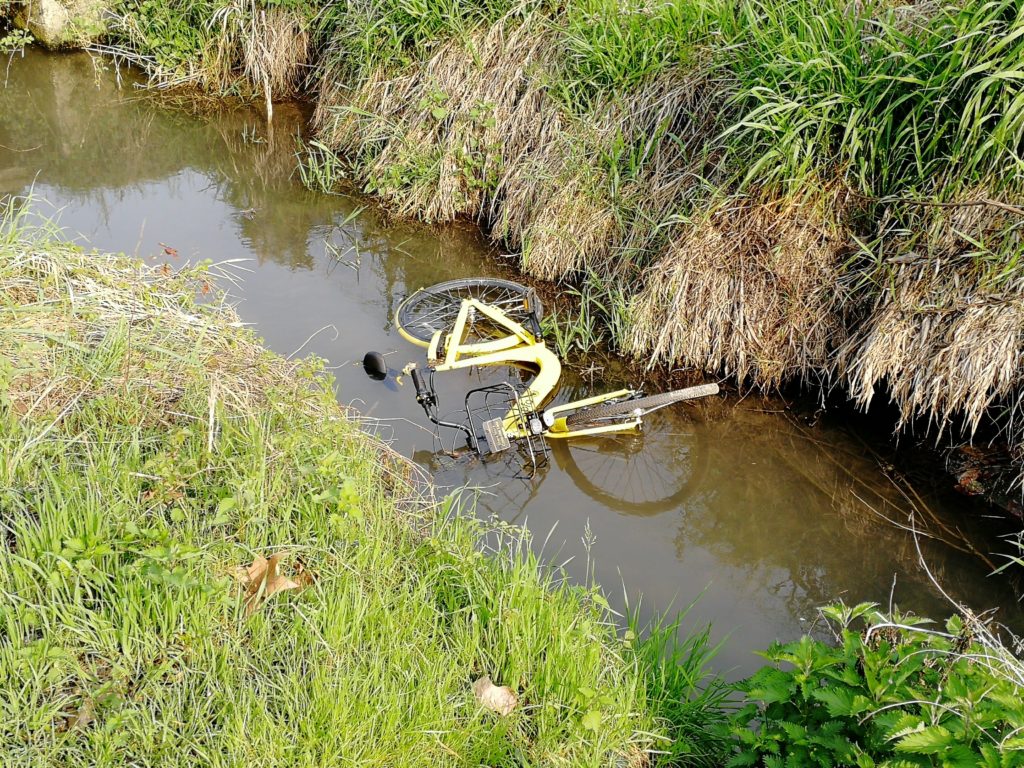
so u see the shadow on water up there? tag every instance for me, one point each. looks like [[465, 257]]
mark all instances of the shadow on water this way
[[759, 514]]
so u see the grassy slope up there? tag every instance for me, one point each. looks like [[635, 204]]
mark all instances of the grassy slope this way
[[148, 447]]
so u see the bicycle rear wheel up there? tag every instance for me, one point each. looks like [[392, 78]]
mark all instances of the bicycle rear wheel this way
[[638, 406], [436, 308]]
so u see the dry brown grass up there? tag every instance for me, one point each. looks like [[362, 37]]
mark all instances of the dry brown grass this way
[[247, 49], [945, 334], [268, 48], [939, 351], [749, 288], [472, 132], [471, 108], [72, 312]]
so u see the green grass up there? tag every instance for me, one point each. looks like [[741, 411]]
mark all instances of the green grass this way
[[149, 447]]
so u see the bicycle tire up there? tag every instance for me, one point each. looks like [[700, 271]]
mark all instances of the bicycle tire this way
[[436, 307], [638, 406]]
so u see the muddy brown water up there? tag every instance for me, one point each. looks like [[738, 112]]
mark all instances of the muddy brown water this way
[[742, 505]]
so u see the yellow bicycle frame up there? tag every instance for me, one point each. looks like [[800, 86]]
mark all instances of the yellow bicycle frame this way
[[449, 352]]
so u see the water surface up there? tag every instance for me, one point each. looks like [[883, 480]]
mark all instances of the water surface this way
[[744, 504]]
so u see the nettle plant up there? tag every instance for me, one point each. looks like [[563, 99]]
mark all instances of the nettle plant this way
[[892, 692]]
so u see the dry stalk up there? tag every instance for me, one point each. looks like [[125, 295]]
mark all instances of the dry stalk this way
[[943, 337], [748, 288]]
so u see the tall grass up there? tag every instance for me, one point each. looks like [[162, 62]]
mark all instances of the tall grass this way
[[894, 98], [360, 37], [613, 47]]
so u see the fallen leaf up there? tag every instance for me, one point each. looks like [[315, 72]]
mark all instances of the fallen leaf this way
[[254, 573], [80, 718], [275, 582], [302, 575], [262, 581], [500, 699]]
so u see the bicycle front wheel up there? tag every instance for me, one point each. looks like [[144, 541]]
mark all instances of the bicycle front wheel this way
[[436, 308], [637, 406]]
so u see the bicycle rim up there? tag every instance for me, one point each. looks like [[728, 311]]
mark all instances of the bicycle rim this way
[[646, 474], [436, 308]]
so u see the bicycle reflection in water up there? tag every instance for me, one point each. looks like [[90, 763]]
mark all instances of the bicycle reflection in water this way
[[644, 474]]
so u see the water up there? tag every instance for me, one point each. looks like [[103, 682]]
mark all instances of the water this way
[[745, 504]]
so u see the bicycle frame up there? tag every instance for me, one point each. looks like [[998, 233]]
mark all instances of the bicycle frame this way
[[450, 352]]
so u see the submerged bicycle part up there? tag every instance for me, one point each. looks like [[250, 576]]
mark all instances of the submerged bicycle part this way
[[426, 396], [491, 407]]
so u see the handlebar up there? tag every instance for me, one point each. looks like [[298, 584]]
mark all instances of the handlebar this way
[[417, 382], [427, 398]]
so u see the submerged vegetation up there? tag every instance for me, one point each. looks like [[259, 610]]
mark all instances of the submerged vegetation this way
[[819, 191], [203, 560]]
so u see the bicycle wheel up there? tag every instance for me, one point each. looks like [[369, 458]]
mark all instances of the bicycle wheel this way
[[436, 308], [638, 406]]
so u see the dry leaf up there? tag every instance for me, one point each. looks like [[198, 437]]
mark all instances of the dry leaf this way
[[262, 581], [254, 573], [498, 699], [303, 576], [80, 718], [275, 582]]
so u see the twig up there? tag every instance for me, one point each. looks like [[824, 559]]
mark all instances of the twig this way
[[951, 204]]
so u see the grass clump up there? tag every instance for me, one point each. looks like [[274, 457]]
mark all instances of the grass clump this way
[[151, 451]]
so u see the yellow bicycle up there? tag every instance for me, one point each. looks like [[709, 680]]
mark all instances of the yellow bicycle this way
[[480, 322]]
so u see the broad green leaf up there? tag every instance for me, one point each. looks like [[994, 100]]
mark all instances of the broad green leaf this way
[[927, 741]]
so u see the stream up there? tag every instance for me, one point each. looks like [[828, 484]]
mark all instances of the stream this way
[[758, 511]]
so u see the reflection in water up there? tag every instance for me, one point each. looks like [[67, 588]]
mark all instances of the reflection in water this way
[[763, 517], [658, 471]]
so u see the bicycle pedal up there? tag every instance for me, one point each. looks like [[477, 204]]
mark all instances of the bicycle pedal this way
[[494, 433]]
